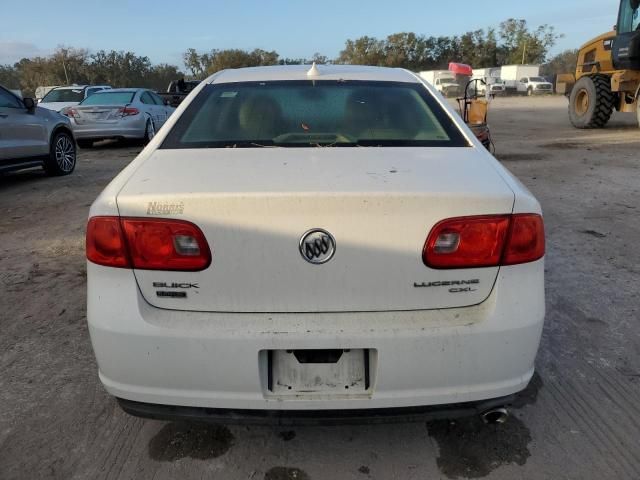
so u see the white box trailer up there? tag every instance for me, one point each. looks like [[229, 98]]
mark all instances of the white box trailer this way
[[511, 74], [486, 73]]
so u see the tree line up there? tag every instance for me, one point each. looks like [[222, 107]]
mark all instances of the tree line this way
[[512, 42], [76, 65]]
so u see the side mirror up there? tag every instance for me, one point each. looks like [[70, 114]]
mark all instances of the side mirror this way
[[29, 104]]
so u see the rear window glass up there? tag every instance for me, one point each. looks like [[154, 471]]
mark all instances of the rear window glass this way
[[536, 79], [313, 113], [109, 98], [65, 95]]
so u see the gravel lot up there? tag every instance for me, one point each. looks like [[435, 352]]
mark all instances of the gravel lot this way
[[579, 418]]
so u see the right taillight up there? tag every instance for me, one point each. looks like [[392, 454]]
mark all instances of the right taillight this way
[[147, 244], [484, 241], [526, 239]]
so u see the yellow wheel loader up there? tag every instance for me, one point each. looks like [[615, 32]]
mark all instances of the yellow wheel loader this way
[[608, 73]]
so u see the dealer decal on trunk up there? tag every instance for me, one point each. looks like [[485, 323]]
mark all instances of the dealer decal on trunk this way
[[165, 208]]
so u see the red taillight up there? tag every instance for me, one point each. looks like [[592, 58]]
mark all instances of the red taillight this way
[[105, 242], [148, 244], [160, 244], [526, 239], [484, 241], [128, 111], [71, 112]]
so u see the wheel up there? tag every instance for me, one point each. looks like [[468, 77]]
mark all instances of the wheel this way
[[591, 102], [638, 107], [62, 155], [85, 143], [149, 131], [530, 92]]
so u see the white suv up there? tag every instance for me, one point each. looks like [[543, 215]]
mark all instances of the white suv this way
[[61, 98], [331, 239]]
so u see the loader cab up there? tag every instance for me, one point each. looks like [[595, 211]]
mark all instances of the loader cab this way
[[626, 45]]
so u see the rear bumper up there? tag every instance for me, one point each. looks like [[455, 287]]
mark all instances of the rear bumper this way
[[126, 128], [313, 417], [216, 360]]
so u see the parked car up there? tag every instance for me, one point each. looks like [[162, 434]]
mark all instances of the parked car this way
[[326, 241], [178, 90], [34, 137], [61, 98], [121, 113], [534, 86]]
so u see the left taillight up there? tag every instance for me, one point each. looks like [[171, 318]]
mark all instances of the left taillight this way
[[147, 244], [105, 242], [128, 111]]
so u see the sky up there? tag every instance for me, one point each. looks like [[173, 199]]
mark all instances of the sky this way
[[163, 29]]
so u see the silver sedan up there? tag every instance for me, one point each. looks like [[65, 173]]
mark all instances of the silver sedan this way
[[121, 113]]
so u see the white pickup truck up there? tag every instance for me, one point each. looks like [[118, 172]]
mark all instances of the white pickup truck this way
[[491, 79], [443, 80], [534, 86]]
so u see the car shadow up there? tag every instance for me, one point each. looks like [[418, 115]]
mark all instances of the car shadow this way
[[113, 144], [22, 176]]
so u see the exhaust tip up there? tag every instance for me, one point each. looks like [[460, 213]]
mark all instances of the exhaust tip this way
[[495, 416]]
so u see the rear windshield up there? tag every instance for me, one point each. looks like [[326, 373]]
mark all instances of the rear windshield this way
[[536, 79], [65, 95], [109, 98], [309, 113]]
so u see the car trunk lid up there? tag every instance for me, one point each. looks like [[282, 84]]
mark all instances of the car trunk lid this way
[[254, 206], [98, 114]]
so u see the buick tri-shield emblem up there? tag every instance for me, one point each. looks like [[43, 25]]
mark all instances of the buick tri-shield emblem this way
[[317, 246]]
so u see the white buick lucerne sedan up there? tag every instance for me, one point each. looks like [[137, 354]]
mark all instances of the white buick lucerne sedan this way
[[328, 241]]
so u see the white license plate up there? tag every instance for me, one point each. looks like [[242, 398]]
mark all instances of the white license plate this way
[[314, 372], [94, 116]]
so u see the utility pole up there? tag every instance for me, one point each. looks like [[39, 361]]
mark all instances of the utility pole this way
[[65, 71], [524, 51]]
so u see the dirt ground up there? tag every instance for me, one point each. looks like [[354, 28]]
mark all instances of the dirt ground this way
[[579, 418]]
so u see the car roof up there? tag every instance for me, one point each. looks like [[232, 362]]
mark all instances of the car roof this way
[[325, 72], [124, 90], [77, 87], [71, 87]]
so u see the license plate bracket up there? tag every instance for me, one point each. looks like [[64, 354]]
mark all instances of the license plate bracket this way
[[318, 372]]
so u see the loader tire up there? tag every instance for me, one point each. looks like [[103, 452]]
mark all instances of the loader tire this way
[[591, 102]]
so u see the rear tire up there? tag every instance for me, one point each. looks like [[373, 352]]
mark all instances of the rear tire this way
[[85, 143], [591, 102], [149, 132], [62, 155]]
